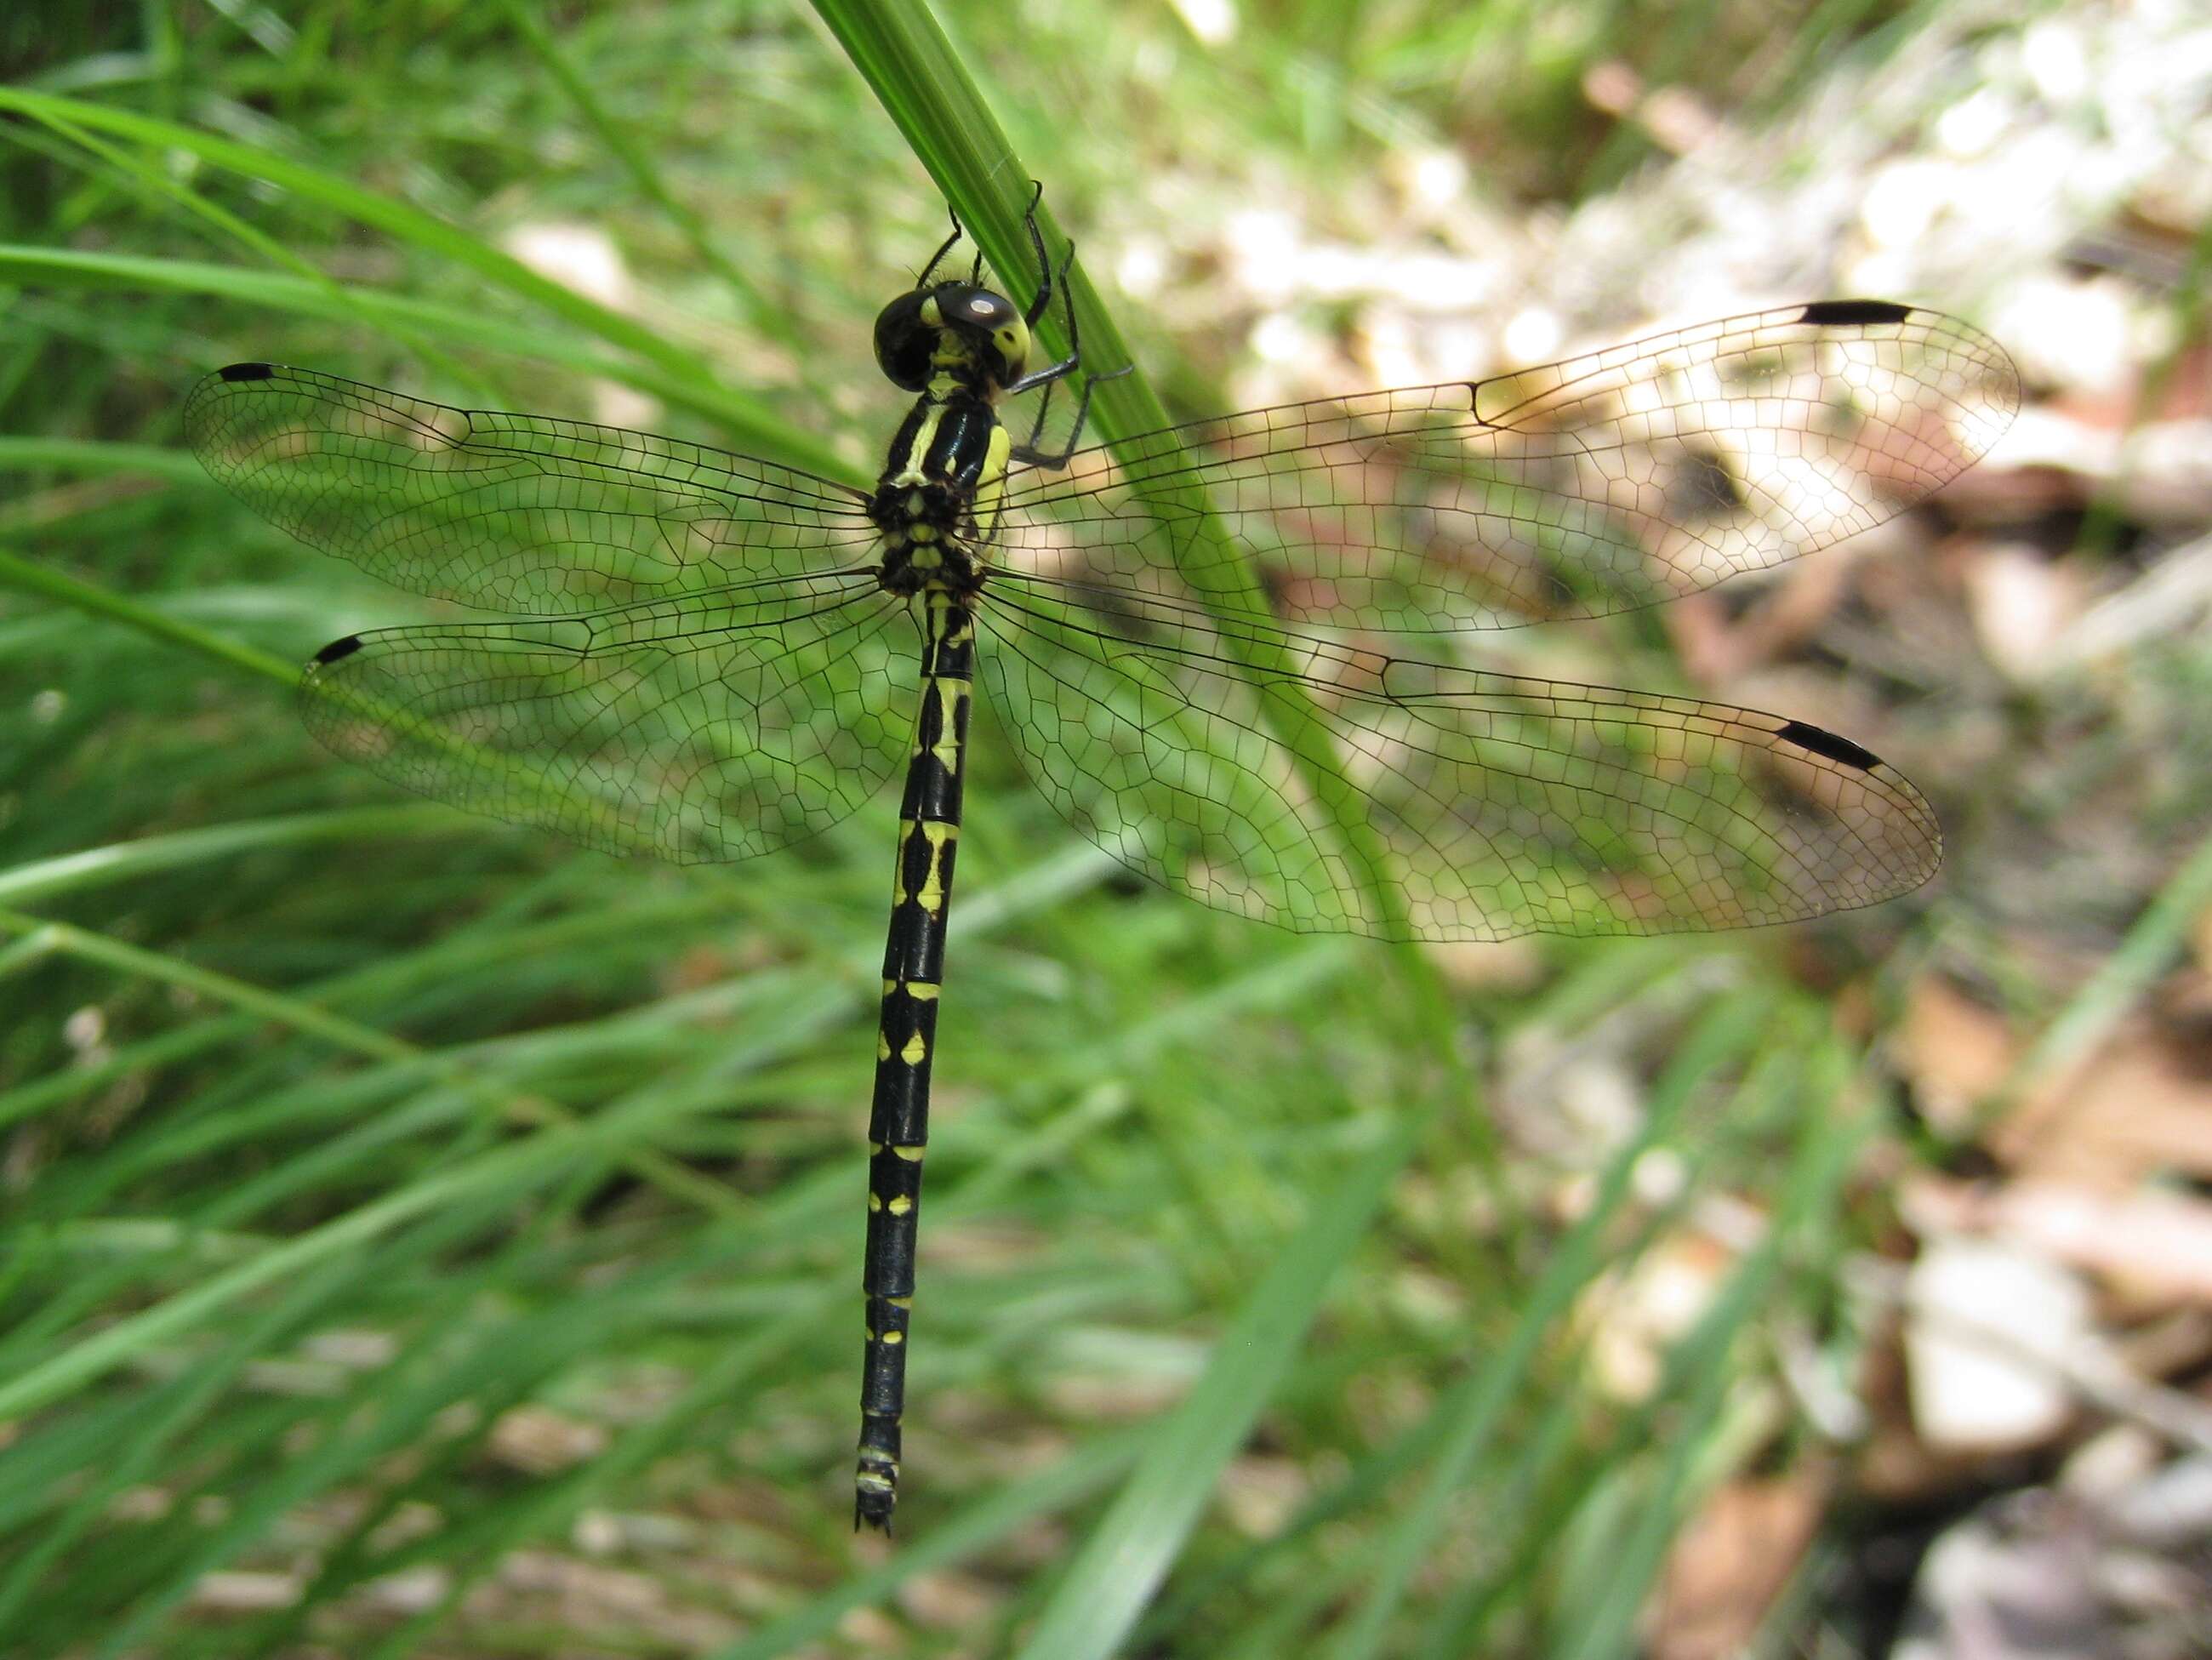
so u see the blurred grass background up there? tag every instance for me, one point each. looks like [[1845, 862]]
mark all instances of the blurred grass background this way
[[421, 1238]]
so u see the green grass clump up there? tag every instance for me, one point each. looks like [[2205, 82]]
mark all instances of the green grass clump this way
[[421, 1238]]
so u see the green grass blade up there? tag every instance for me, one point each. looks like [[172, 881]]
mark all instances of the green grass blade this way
[[1481, 1401], [75, 873], [1701, 1370], [1005, 1514], [753, 307], [747, 422], [18, 573], [395, 218], [1114, 1574]]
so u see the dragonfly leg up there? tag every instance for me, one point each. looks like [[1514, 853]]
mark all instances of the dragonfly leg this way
[[1043, 296], [1066, 365], [943, 248], [1037, 457]]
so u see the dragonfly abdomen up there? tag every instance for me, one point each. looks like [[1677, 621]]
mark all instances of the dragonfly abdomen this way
[[906, 1040]]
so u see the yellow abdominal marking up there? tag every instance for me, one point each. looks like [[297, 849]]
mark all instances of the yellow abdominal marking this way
[[950, 695], [891, 1337], [931, 896], [911, 1154], [915, 1051], [883, 1045], [875, 1202], [900, 1206]]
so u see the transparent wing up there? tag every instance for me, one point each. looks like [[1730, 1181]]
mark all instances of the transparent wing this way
[[1503, 805], [713, 728], [513, 513], [1607, 482]]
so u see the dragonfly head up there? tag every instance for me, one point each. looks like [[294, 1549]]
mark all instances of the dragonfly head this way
[[953, 328]]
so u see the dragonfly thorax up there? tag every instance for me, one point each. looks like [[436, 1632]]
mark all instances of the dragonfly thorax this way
[[939, 487]]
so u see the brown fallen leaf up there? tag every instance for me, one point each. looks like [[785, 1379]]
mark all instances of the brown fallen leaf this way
[[2136, 1108], [1729, 1564]]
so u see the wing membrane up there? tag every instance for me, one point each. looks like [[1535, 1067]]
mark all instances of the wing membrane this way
[[1505, 805], [712, 727], [1604, 482], [511, 513]]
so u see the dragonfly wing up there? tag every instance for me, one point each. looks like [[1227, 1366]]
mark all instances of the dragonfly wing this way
[[713, 728], [1500, 805], [1605, 482], [513, 513]]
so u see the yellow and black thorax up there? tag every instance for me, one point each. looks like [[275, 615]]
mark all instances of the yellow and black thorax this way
[[959, 346]]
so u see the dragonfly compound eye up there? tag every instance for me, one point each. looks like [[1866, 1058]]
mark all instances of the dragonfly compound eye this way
[[906, 340]]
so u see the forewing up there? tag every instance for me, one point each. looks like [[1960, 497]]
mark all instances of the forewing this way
[[1501, 805], [714, 727], [1607, 482], [511, 513]]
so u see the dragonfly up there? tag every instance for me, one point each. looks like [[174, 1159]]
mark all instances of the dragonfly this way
[[1231, 653]]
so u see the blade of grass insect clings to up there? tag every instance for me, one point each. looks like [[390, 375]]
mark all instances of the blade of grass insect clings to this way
[[927, 90], [1114, 1574], [1480, 1401], [1699, 1374]]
